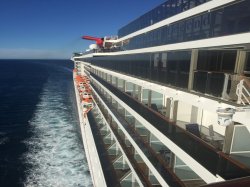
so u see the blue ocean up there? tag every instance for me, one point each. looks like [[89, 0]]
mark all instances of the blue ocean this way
[[40, 142]]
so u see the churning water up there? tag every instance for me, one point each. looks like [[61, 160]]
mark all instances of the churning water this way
[[50, 152]]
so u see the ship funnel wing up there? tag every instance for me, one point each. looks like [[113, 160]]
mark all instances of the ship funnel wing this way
[[99, 41]]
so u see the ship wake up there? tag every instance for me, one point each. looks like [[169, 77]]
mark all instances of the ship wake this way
[[55, 154]]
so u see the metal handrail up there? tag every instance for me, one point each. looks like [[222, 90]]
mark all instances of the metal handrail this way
[[210, 158], [243, 93], [138, 170], [175, 181]]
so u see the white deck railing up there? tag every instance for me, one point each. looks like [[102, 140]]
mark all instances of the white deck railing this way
[[242, 92]]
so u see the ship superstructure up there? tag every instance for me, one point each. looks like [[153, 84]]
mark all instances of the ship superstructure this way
[[170, 98]]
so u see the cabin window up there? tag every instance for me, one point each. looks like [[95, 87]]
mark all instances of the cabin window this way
[[217, 60], [156, 59], [164, 60]]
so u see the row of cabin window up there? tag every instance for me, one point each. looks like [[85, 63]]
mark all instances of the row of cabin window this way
[[172, 67], [161, 12], [162, 61], [227, 20], [208, 60]]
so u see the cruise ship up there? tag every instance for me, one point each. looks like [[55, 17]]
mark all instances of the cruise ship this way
[[166, 102]]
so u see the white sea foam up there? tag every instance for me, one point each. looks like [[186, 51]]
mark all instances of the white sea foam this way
[[56, 156]]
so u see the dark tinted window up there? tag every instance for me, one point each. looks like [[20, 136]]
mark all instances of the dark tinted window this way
[[163, 11], [219, 61], [232, 19]]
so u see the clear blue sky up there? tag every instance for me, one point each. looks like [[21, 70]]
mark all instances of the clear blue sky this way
[[52, 28]]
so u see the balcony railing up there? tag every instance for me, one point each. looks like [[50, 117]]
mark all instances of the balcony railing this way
[[229, 87], [122, 141], [213, 160], [160, 164], [243, 91], [107, 166], [231, 183]]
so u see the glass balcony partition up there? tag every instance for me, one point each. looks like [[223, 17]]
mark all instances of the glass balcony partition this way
[[214, 161], [122, 141], [139, 138], [107, 166]]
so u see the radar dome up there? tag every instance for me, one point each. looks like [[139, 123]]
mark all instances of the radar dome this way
[[93, 46]]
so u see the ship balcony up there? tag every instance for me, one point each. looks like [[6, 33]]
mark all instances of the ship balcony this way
[[134, 138], [116, 166], [119, 148], [215, 161]]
